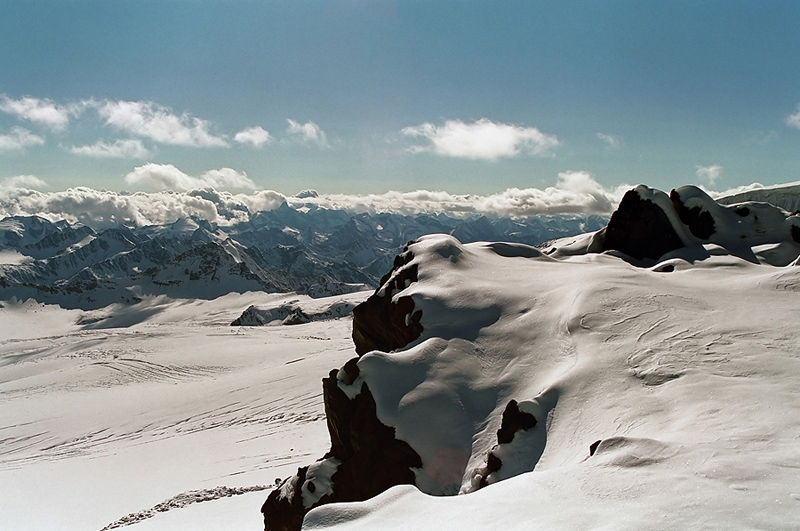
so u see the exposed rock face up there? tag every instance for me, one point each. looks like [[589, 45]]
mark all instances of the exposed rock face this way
[[382, 324], [513, 421], [796, 233], [641, 229], [367, 456], [699, 221]]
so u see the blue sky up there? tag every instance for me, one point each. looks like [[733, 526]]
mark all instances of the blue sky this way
[[374, 95]]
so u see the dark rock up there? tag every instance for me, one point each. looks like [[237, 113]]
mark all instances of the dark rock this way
[[372, 459], [350, 371], [513, 421], [796, 233], [699, 221], [640, 229], [742, 211], [593, 447], [493, 463], [285, 514], [381, 324]]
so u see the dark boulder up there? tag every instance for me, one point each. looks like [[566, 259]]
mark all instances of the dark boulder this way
[[382, 324], [640, 229]]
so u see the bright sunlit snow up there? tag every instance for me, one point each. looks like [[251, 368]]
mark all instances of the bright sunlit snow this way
[[166, 398], [665, 393]]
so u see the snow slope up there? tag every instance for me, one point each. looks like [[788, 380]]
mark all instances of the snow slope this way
[[687, 375]]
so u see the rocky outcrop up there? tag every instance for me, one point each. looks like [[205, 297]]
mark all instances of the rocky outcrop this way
[[795, 233], [514, 420], [365, 458], [641, 229], [699, 221], [381, 323]]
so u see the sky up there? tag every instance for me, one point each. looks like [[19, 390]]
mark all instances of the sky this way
[[376, 96]]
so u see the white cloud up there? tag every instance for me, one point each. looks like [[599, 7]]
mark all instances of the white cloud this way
[[22, 181], [574, 193], [102, 208], [167, 176], [40, 111], [119, 149], [793, 120], [18, 139], [307, 132], [255, 136], [483, 140], [158, 123], [709, 174], [611, 141]]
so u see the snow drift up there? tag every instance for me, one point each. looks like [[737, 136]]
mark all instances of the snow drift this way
[[640, 376]]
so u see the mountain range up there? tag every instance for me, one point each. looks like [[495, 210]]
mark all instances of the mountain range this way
[[308, 250]]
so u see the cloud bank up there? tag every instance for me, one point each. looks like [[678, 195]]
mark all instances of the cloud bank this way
[[481, 140], [103, 208], [575, 193]]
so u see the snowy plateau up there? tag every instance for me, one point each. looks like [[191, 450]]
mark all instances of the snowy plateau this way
[[638, 373]]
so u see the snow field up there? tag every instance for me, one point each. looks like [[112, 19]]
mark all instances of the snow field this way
[[688, 378], [101, 423]]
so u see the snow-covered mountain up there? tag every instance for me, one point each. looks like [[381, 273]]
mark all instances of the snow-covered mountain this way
[[614, 366], [306, 250], [642, 376]]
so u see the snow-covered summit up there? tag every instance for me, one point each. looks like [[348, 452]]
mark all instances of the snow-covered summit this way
[[573, 386]]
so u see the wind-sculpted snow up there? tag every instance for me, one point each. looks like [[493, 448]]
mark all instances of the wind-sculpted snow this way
[[622, 373]]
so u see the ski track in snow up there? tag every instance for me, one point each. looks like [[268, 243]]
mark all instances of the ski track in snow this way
[[183, 500]]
